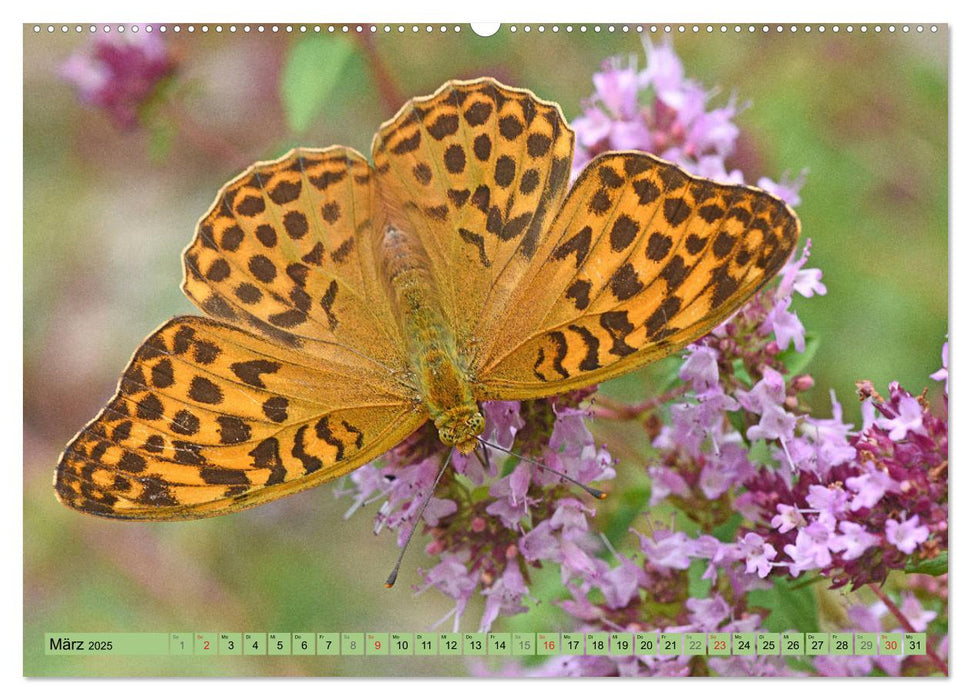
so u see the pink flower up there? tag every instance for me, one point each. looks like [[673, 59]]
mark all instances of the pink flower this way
[[941, 374], [788, 518], [592, 127], [785, 189], [866, 618], [504, 597], [828, 499], [767, 394], [811, 550], [786, 326], [664, 71], [707, 613], [502, 422], [775, 424], [452, 578], [906, 535], [540, 543], [700, 367], [620, 584], [669, 550], [915, 613], [617, 89], [665, 482], [870, 487], [120, 72], [758, 554], [854, 541], [795, 278], [714, 131], [909, 419]]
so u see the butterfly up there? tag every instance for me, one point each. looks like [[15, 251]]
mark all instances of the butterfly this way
[[351, 302]]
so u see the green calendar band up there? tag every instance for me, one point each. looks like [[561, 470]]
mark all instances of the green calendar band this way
[[381, 644]]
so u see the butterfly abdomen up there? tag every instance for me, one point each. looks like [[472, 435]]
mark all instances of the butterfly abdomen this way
[[445, 386]]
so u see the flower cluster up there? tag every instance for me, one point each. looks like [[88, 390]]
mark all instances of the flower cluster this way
[[769, 496], [494, 516], [120, 72], [660, 111]]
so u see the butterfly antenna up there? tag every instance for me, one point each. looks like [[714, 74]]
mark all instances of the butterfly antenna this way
[[596, 493], [393, 576]]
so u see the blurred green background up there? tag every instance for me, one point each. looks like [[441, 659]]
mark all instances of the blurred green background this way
[[107, 213]]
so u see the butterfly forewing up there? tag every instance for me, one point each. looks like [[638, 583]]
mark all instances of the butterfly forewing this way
[[641, 260], [477, 172], [288, 250]]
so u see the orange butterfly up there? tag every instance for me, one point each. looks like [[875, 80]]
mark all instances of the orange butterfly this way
[[352, 302]]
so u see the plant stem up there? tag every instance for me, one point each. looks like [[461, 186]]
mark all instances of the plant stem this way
[[603, 407], [391, 96], [205, 140], [897, 613]]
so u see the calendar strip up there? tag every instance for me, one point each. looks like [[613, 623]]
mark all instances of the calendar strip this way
[[388, 644]]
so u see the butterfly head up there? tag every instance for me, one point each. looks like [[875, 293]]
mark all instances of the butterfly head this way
[[460, 427]]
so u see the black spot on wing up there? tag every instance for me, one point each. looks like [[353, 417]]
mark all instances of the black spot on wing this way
[[618, 327], [579, 244], [591, 359]]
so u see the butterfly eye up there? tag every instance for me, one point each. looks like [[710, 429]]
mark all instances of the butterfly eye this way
[[476, 423]]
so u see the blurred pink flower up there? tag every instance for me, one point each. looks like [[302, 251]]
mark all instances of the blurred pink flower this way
[[119, 72]]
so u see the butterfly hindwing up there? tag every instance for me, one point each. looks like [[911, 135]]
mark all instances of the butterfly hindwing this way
[[641, 260], [209, 419]]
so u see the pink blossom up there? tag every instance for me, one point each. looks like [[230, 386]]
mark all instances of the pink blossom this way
[[758, 554], [906, 535], [775, 424], [620, 584], [831, 499], [617, 88], [788, 518], [504, 597], [119, 72], [707, 613], [667, 549], [768, 393], [700, 367], [870, 487], [854, 541], [941, 374], [808, 282], [502, 422], [540, 543], [786, 325], [665, 482], [811, 550], [785, 189], [915, 613], [909, 419]]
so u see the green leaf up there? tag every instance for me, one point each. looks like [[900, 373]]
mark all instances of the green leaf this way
[[312, 70], [933, 567], [738, 366], [697, 586], [796, 361], [161, 136], [728, 530], [792, 606], [632, 503]]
